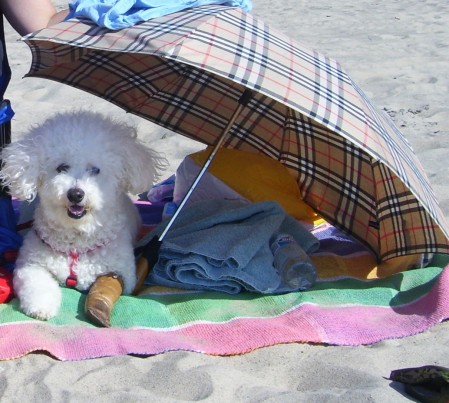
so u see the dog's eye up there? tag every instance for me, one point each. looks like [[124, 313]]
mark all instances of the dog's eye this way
[[62, 168], [93, 171]]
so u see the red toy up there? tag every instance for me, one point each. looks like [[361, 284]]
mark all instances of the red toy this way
[[6, 292]]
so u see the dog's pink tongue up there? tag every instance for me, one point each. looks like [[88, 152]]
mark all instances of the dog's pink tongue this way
[[76, 210]]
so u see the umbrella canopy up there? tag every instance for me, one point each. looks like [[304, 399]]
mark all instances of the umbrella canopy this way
[[187, 71]]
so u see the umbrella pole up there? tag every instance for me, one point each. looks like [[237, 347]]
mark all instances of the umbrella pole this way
[[150, 252], [243, 101]]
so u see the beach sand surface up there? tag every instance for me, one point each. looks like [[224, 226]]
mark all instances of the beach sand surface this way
[[397, 52]]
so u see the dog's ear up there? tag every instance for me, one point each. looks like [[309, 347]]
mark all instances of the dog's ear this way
[[20, 169], [142, 166]]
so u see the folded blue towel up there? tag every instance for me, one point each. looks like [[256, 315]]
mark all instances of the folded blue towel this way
[[224, 245], [118, 14]]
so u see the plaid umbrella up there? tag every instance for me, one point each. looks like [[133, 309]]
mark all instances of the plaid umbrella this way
[[187, 72]]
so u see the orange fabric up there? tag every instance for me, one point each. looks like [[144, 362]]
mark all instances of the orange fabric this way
[[363, 266], [257, 178]]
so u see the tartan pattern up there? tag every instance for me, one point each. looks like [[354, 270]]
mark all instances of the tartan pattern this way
[[186, 71]]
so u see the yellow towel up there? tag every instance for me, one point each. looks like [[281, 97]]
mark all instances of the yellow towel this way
[[257, 178]]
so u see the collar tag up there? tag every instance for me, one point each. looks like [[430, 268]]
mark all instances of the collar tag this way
[[72, 279]]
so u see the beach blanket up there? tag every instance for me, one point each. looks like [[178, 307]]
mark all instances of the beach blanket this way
[[339, 310], [342, 312]]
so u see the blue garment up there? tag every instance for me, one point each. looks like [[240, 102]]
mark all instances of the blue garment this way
[[118, 14], [5, 71], [224, 245], [10, 240], [163, 191], [6, 113]]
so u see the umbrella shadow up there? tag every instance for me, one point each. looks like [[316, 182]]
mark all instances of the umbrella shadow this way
[[420, 291], [184, 295], [395, 291], [15, 305], [402, 301], [80, 315]]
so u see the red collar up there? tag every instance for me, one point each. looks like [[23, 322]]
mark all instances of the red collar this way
[[72, 279]]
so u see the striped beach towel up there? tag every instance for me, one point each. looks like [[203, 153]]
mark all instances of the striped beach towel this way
[[337, 311]]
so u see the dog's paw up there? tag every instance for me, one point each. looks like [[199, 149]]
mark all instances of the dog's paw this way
[[41, 315], [40, 312], [43, 306], [38, 292]]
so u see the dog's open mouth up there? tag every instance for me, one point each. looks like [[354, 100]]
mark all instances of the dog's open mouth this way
[[76, 211]]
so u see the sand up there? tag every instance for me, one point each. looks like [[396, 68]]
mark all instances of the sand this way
[[397, 52]]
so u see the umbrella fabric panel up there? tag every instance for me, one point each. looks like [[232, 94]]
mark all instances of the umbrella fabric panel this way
[[170, 94], [336, 179], [405, 226]]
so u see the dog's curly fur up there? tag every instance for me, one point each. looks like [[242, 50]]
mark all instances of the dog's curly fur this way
[[82, 165]]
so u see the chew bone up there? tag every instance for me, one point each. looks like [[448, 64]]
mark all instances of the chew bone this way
[[101, 299]]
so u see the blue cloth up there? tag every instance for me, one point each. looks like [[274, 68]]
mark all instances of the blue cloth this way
[[5, 71], [332, 240], [224, 245], [163, 191], [6, 112], [10, 240], [118, 14]]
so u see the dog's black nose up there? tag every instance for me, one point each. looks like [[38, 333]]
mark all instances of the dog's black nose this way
[[75, 195]]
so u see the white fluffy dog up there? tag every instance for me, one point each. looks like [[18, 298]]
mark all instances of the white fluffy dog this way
[[82, 165]]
